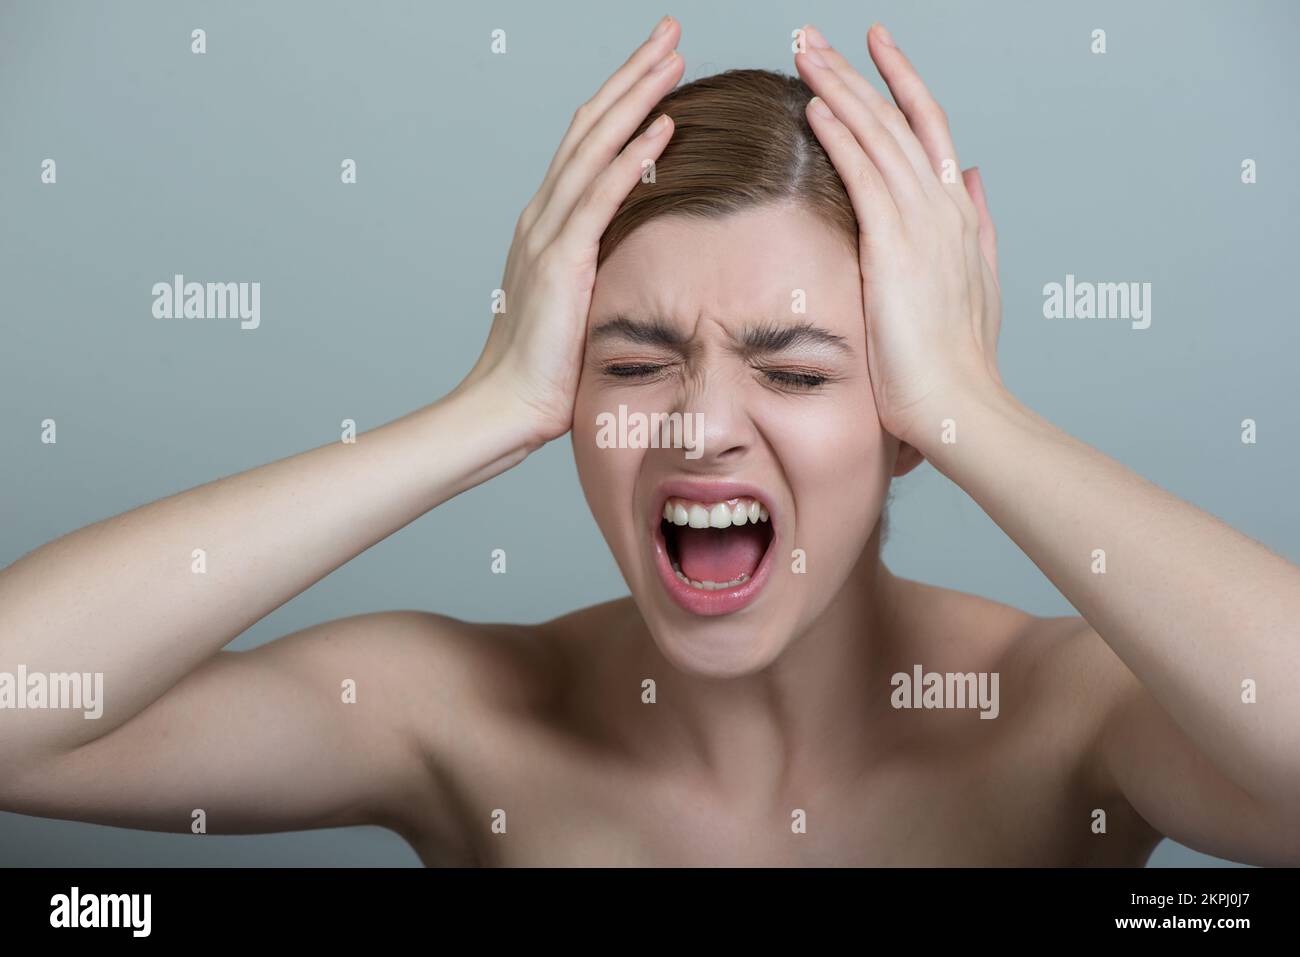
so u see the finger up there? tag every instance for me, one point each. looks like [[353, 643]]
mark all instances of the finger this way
[[926, 118], [875, 140], [602, 144], [662, 40], [593, 212], [889, 115], [873, 203], [987, 233], [924, 115]]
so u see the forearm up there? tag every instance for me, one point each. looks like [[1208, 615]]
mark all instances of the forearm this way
[[127, 597], [1193, 607]]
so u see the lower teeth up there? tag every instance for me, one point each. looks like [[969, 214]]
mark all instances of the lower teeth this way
[[709, 586]]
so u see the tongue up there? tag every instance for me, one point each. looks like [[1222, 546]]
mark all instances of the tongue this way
[[719, 554]]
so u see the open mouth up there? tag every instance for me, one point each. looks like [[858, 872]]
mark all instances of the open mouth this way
[[712, 547], [714, 553]]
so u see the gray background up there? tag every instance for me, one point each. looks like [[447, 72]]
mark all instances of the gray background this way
[[1122, 167]]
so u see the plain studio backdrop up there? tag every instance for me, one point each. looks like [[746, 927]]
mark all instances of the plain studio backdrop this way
[[225, 167]]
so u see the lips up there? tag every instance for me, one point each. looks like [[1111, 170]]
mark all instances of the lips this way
[[714, 544]]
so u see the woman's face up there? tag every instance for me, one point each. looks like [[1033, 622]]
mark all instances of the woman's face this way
[[750, 327]]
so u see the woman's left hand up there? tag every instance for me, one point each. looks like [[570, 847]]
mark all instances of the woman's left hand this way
[[1197, 600], [927, 248]]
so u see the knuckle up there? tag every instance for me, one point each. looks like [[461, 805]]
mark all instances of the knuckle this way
[[524, 221], [892, 116], [534, 248], [601, 194], [584, 153], [579, 214], [546, 261], [846, 142]]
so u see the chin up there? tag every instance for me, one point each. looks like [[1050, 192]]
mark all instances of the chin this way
[[717, 647]]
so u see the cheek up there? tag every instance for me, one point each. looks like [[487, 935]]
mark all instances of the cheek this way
[[608, 475], [606, 471], [838, 461], [593, 464], [829, 438]]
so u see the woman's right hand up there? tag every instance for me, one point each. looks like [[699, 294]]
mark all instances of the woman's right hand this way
[[534, 352], [145, 601]]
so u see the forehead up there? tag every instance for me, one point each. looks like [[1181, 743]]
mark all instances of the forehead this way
[[755, 264]]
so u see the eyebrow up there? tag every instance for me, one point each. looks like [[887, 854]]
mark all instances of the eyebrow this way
[[770, 337], [755, 339], [642, 332]]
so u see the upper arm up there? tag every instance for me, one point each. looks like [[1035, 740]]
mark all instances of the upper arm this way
[[260, 740], [1143, 756]]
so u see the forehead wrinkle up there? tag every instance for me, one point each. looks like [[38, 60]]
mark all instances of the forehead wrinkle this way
[[753, 339]]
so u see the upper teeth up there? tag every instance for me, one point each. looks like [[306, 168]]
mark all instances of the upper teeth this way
[[736, 511]]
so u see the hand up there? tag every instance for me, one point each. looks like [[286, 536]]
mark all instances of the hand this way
[[927, 248], [534, 351]]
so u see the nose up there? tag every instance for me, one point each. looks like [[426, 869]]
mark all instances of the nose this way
[[725, 432]]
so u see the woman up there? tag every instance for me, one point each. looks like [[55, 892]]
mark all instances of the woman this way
[[818, 292]]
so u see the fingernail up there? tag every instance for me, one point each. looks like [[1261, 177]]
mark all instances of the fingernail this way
[[666, 62], [663, 25], [657, 127], [815, 37], [818, 105], [885, 38], [814, 58]]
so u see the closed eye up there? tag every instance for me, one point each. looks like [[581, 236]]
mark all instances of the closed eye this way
[[633, 370], [796, 378]]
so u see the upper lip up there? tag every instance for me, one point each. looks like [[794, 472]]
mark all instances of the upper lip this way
[[707, 493]]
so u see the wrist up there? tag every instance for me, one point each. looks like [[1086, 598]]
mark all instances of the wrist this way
[[504, 422], [959, 407]]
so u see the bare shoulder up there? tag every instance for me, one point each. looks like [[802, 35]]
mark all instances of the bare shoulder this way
[[1080, 678], [421, 677], [943, 620], [578, 630], [1060, 688], [1086, 687], [457, 673], [1059, 678], [484, 696], [436, 659], [1061, 654], [1068, 685]]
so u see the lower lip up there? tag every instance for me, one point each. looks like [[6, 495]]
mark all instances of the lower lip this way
[[723, 601]]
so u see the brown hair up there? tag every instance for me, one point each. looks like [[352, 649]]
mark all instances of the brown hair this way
[[740, 140]]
